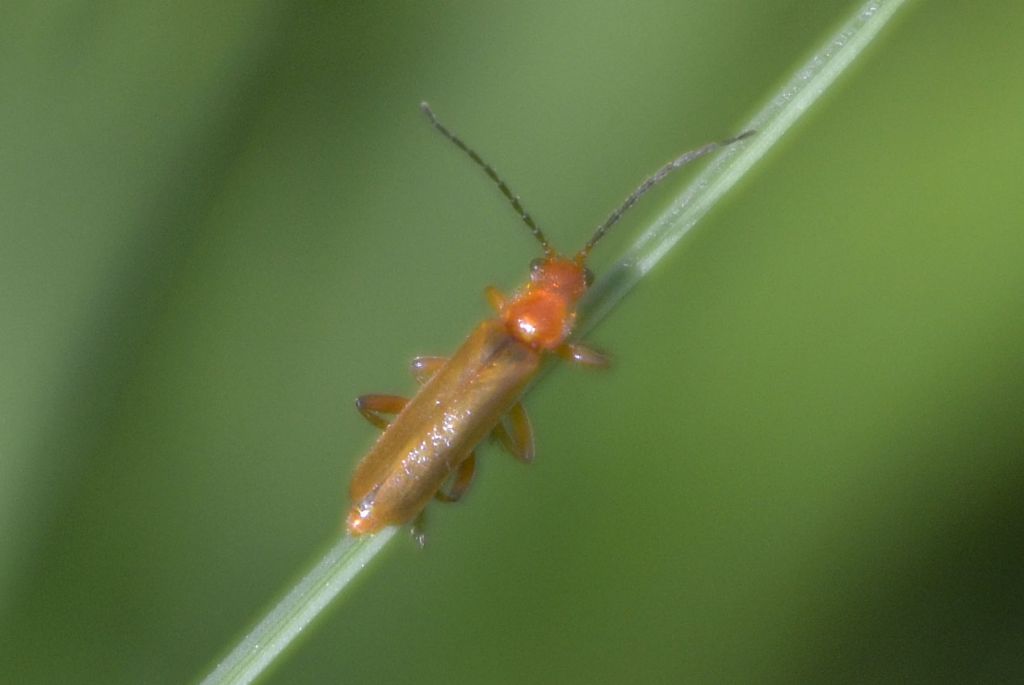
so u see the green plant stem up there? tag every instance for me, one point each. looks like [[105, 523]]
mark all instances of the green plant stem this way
[[264, 643], [796, 97], [293, 614]]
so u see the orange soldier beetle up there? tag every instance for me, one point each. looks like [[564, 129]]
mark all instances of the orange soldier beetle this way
[[476, 393]]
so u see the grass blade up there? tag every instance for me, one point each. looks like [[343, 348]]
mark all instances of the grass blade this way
[[293, 614], [795, 98], [264, 643]]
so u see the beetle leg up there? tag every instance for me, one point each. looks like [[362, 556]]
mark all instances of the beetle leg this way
[[463, 477], [494, 298], [424, 368], [372, 406], [581, 354], [519, 440], [418, 529]]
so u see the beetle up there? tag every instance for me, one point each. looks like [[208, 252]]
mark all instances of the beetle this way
[[476, 393]]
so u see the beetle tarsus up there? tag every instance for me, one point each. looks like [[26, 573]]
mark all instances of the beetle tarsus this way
[[372, 406]]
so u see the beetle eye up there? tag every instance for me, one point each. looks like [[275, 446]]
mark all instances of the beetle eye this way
[[588, 277], [536, 264]]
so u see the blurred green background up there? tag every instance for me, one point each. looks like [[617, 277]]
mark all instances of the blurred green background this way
[[222, 222]]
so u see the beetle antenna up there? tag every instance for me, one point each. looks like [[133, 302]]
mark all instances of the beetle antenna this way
[[502, 186], [679, 162]]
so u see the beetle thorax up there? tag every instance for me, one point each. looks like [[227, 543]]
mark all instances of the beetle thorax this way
[[543, 313]]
